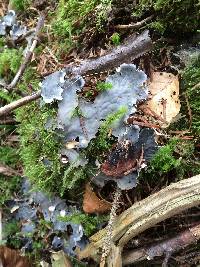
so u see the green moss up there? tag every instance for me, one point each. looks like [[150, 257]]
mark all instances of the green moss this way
[[172, 15], [103, 86], [191, 86], [106, 126], [9, 185], [68, 13], [20, 5], [89, 222], [39, 145], [115, 38], [73, 17], [164, 160], [10, 60], [104, 141], [30, 79], [174, 161], [102, 14]]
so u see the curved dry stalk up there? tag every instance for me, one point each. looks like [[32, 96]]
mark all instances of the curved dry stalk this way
[[144, 214], [28, 55], [18, 103], [134, 47]]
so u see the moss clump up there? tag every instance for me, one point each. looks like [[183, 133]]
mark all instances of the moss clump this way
[[104, 139], [174, 161], [70, 12], [191, 86], [39, 147], [20, 5], [172, 15], [73, 17], [9, 185], [30, 79], [10, 60]]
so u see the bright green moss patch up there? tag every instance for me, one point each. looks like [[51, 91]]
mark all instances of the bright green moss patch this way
[[73, 17], [70, 12], [10, 60], [174, 161]]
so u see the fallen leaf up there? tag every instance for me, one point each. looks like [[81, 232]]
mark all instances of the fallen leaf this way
[[93, 204], [164, 89], [60, 259], [12, 258]]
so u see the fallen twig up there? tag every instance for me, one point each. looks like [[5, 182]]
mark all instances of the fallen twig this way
[[18, 103], [144, 214], [166, 247], [8, 122], [8, 171], [136, 25], [133, 48], [28, 55], [189, 110], [143, 124]]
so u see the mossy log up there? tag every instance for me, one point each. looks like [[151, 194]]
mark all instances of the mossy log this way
[[144, 214]]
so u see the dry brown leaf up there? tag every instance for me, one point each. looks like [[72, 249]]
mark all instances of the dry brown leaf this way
[[93, 204], [12, 258], [164, 89]]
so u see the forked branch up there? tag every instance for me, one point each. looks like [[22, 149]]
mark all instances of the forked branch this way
[[144, 214]]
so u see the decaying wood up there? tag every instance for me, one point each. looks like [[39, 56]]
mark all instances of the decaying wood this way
[[28, 55], [133, 48], [144, 214], [18, 103], [114, 258], [166, 247]]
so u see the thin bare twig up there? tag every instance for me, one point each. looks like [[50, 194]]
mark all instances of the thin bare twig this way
[[18, 103], [134, 47], [171, 245], [8, 171], [8, 122], [28, 55], [136, 25], [189, 110], [143, 124]]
